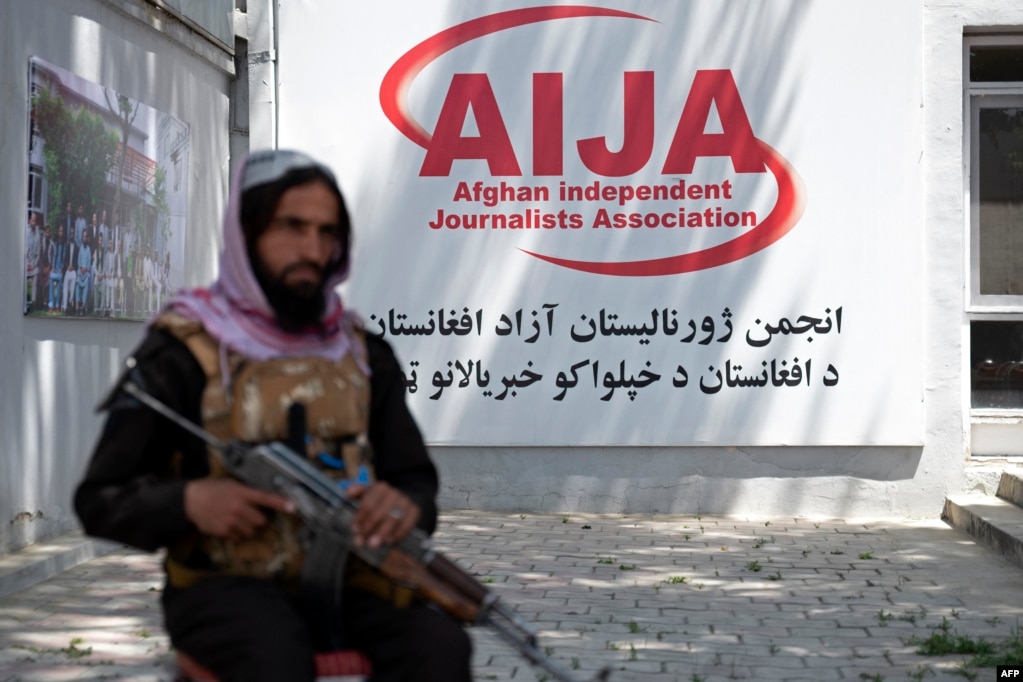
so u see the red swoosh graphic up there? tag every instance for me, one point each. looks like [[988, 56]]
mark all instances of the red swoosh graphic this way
[[787, 211], [396, 82]]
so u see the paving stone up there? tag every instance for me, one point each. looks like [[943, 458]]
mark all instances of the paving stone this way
[[818, 620]]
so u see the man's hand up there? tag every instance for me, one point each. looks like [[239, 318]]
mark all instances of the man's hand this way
[[226, 508], [385, 514]]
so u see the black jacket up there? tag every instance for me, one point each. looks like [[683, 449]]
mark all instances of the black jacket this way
[[129, 493]]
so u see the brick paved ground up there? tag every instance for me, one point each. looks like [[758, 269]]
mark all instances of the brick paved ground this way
[[653, 597]]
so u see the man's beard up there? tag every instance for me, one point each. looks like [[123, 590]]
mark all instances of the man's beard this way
[[297, 307]]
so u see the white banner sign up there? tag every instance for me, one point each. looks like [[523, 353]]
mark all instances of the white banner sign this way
[[629, 223]]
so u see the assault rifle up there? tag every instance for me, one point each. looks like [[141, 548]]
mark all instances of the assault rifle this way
[[327, 515]]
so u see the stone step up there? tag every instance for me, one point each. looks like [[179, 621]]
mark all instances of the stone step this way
[[993, 521], [46, 558], [1010, 487]]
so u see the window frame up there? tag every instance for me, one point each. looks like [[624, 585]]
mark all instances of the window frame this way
[[992, 432], [986, 95]]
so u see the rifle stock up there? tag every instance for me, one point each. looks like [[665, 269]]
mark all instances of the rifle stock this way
[[328, 513]]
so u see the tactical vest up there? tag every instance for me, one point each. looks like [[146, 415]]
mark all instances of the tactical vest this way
[[252, 401]]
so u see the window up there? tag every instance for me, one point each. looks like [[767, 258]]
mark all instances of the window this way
[[33, 133], [36, 200], [994, 306]]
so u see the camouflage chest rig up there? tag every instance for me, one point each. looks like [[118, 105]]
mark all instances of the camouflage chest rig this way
[[256, 404]]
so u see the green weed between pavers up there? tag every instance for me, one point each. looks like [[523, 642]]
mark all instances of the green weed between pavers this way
[[71, 651], [911, 616], [984, 653], [635, 627], [920, 673]]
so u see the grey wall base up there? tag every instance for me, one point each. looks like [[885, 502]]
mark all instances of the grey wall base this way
[[47, 558]]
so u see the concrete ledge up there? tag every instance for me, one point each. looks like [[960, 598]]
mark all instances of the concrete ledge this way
[[47, 558], [1010, 488], [993, 521]]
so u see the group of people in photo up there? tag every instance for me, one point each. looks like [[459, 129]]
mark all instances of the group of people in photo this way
[[83, 264]]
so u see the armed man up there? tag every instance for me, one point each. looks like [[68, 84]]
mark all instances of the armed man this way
[[269, 353]]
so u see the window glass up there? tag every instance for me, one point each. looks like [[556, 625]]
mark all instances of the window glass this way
[[996, 64], [996, 364], [35, 190], [1001, 201]]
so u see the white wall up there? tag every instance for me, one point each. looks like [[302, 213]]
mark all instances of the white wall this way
[[902, 481], [54, 371]]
